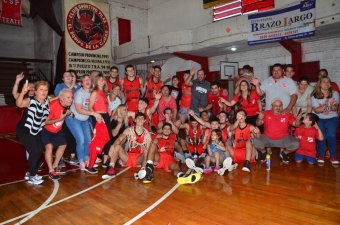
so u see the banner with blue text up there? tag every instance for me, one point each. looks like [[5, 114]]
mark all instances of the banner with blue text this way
[[296, 21]]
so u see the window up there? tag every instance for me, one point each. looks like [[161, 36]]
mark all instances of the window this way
[[241, 7]]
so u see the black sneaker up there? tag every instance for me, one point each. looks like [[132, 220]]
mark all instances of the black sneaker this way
[[149, 174], [246, 166], [284, 157], [91, 170], [263, 156]]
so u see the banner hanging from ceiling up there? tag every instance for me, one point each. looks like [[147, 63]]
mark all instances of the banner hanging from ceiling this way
[[87, 36], [294, 22], [11, 12]]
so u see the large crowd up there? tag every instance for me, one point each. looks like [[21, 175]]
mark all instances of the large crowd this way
[[149, 125]]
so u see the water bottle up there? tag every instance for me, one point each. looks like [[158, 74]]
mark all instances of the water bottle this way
[[268, 162]]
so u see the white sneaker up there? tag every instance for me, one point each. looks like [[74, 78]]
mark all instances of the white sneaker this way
[[180, 157], [27, 176], [226, 165], [95, 165], [98, 160], [140, 175], [35, 180], [232, 167], [191, 165]]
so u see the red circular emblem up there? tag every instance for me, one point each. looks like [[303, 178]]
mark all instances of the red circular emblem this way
[[284, 85], [87, 26]]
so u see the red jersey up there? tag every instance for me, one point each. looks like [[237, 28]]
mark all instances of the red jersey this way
[[251, 106], [186, 97], [242, 136], [150, 89], [276, 126], [110, 85], [56, 110], [212, 99], [335, 87], [191, 134], [207, 132], [166, 104], [102, 103], [131, 91], [147, 122], [168, 144], [307, 138], [137, 143]]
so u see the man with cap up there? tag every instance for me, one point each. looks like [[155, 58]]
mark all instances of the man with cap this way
[[276, 125]]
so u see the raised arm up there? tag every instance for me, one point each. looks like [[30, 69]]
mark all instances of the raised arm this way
[[188, 81], [202, 122], [20, 101], [15, 92]]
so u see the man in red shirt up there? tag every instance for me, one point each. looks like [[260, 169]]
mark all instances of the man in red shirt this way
[[276, 126], [132, 86], [213, 99], [113, 78], [52, 135], [185, 100]]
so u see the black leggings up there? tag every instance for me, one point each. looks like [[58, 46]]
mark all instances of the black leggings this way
[[33, 146]]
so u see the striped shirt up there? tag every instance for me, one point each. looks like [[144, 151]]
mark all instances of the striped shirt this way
[[35, 115]]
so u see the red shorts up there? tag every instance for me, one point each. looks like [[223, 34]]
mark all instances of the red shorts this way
[[199, 148], [165, 160], [132, 159], [240, 155]]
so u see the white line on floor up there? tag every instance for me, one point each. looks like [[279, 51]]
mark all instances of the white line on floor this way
[[154, 204], [64, 199], [54, 193]]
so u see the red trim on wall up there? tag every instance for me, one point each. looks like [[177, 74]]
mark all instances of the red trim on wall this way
[[295, 49]]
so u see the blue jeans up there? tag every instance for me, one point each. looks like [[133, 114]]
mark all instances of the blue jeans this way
[[328, 128], [82, 133]]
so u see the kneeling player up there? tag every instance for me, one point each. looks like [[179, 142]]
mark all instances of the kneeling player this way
[[162, 149], [138, 139], [243, 149]]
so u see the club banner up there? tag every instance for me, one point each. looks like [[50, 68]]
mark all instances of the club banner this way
[[11, 12], [87, 39], [297, 21]]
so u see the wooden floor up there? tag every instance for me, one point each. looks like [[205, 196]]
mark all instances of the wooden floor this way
[[288, 194]]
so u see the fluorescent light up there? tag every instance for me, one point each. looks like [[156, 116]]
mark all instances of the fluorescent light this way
[[233, 49], [152, 61]]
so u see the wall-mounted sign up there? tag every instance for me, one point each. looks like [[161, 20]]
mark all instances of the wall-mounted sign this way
[[11, 12], [87, 37], [294, 22]]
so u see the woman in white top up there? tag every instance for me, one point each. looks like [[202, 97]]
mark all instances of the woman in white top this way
[[304, 91], [114, 98]]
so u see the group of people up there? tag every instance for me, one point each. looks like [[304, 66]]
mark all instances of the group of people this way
[[159, 125]]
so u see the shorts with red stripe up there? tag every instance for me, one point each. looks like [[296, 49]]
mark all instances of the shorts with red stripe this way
[[165, 160], [240, 155], [132, 159], [199, 148]]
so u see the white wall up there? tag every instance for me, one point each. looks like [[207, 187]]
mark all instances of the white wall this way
[[175, 15], [172, 65], [137, 15], [325, 51], [12, 43]]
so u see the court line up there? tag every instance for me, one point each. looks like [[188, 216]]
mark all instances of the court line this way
[[54, 193], [13, 182], [67, 198], [140, 215]]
